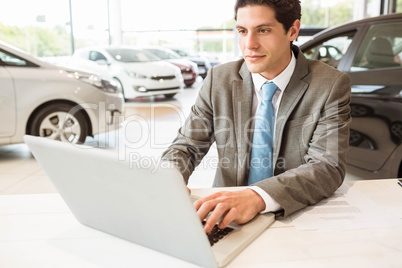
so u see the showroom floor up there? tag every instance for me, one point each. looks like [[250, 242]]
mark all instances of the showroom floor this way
[[149, 127]]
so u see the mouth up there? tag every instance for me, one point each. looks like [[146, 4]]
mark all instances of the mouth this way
[[254, 57]]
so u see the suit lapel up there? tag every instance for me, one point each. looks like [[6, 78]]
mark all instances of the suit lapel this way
[[292, 95], [242, 109]]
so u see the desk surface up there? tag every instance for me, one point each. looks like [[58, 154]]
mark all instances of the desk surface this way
[[40, 231]]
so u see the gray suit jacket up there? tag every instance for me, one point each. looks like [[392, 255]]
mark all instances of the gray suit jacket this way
[[311, 134]]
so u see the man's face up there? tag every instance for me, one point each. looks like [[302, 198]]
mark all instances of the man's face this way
[[263, 41]]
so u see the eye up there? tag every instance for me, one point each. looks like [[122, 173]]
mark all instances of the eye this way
[[263, 31], [241, 31]]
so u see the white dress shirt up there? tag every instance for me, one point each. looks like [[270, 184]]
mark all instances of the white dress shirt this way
[[282, 80]]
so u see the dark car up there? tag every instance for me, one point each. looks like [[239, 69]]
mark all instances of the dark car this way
[[369, 51], [202, 62]]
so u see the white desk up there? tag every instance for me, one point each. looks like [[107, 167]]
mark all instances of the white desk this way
[[39, 231]]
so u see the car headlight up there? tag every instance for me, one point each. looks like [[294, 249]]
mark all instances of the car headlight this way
[[111, 86], [103, 84], [135, 75]]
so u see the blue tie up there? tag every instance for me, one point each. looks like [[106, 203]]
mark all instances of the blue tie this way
[[261, 152]]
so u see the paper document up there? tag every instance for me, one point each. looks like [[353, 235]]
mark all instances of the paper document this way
[[347, 209]]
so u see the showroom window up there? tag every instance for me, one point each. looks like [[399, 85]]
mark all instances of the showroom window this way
[[45, 29], [399, 6], [381, 48]]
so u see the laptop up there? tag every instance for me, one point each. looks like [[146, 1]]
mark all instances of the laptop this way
[[145, 205]]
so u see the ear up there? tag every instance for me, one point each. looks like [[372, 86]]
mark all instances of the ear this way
[[294, 30]]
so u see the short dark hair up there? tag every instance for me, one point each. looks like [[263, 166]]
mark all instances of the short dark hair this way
[[286, 11]]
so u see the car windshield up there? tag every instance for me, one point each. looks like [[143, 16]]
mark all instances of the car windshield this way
[[131, 55], [164, 54]]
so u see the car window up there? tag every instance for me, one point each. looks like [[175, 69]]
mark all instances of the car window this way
[[332, 50], [95, 55], [163, 54], [11, 60], [182, 53], [381, 48]]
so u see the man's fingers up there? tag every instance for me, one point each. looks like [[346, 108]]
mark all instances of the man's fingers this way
[[200, 202], [205, 208], [229, 217], [227, 207], [220, 210]]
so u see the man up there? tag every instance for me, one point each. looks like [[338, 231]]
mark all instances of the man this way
[[312, 119]]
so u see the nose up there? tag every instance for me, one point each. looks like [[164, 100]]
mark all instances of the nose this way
[[251, 41]]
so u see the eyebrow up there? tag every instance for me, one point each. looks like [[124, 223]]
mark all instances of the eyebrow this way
[[258, 26]]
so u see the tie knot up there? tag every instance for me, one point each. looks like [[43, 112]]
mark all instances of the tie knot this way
[[268, 91]]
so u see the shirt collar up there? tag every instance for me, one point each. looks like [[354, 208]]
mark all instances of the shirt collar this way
[[282, 80]]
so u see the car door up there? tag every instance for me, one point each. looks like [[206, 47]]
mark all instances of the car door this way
[[376, 76], [7, 99]]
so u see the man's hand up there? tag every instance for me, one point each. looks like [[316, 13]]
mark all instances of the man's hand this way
[[237, 206]]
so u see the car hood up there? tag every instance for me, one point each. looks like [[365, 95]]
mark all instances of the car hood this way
[[74, 72], [154, 68]]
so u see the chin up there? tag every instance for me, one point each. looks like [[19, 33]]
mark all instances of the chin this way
[[254, 68]]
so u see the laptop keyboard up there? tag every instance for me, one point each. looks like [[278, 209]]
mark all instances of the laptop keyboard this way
[[217, 234]]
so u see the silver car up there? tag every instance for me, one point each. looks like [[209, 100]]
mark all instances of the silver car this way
[[40, 99], [138, 72]]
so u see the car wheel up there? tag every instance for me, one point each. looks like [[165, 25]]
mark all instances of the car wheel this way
[[360, 110], [358, 139], [169, 96], [355, 138], [60, 121]]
